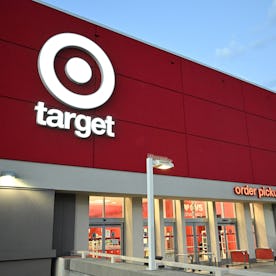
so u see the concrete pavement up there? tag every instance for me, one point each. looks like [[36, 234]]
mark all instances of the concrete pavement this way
[[101, 267]]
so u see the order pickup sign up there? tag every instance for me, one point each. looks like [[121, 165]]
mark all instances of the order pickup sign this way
[[260, 192]]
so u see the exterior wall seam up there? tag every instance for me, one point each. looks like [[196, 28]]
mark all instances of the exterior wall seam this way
[[248, 139], [185, 121]]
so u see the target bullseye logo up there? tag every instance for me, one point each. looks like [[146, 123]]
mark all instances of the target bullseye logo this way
[[79, 72], [73, 68]]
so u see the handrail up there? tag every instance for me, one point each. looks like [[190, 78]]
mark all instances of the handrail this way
[[218, 271]]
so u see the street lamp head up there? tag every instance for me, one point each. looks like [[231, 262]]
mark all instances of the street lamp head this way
[[160, 162]]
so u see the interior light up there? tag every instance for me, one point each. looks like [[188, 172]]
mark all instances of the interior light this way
[[7, 178], [97, 201], [8, 174]]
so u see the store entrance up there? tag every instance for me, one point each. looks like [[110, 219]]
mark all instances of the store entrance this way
[[170, 241], [227, 240], [197, 239], [106, 238]]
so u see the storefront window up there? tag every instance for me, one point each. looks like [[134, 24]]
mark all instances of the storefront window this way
[[168, 208], [114, 207], [225, 210], [108, 207], [96, 204], [195, 209], [145, 208]]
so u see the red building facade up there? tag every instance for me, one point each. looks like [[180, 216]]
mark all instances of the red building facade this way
[[214, 127]]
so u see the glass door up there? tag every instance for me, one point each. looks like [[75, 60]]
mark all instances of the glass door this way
[[170, 242], [105, 239], [197, 240], [227, 240], [95, 239]]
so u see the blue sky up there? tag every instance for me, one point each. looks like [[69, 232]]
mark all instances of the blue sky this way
[[237, 37]]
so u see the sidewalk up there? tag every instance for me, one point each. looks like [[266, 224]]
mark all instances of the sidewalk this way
[[101, 267], [264, 267]]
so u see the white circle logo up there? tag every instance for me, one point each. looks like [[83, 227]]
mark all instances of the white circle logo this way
[[77, 70], [73, 68]]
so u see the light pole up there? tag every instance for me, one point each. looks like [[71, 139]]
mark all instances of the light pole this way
[[162, 163]]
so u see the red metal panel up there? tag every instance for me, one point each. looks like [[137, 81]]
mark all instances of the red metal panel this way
[[264, 167], [141, 61], [31, 24], [20, 78], [22, 139], [217, 160], [204, 82], [139, 102], [147, 106], [128, 151], [262, 132], [215, 121], [259, 101]]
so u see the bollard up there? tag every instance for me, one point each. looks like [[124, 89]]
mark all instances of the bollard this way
[[244, 257]]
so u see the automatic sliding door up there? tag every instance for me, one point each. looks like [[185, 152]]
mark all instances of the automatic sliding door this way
[[197, 242], [106, 239], [170, 242], [227, 239], [113, 240], [96, 239]]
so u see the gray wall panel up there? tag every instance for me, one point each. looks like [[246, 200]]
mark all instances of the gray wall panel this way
[[64, 224], [26, 268], [26, 227]]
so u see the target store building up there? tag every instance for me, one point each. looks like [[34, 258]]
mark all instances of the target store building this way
[[81, 107]]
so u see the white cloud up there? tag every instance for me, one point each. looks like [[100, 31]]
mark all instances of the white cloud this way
[[261, 43], [235, 49], [232, 50], [264, 39], [272, 12]]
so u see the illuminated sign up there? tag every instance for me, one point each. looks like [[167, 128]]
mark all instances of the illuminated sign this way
[[194, 209], [257, 192], [78, 71], [84, 125]]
